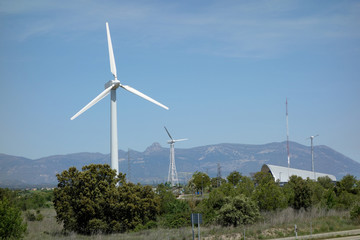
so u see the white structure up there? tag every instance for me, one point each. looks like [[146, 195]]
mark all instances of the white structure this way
[[172, 176], [111, 86], [312, 154], [283, 174], [287, 134]]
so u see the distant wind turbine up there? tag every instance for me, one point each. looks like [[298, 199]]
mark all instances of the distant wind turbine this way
[[172, 176], [312, 154], [111, 86]]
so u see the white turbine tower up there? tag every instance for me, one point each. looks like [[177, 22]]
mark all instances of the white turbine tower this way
[[172, 176], [312, 154], [111, 86]]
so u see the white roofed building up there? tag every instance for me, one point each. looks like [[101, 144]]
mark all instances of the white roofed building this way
[[283, 174]]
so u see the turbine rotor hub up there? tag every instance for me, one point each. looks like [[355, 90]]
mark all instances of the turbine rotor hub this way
[[115, 82]]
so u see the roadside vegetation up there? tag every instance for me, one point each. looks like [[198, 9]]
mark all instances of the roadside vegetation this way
[[96, 204]]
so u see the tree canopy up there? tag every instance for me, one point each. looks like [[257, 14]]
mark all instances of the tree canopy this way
[[96, 200]]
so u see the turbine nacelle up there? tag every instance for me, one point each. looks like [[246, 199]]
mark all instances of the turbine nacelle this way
[[115, 83], [176, 140]]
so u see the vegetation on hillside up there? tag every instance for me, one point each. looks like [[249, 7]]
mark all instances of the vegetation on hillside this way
[[95, 200], [11, 221]]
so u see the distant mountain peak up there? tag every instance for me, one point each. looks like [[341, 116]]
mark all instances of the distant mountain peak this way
[[155, 147]]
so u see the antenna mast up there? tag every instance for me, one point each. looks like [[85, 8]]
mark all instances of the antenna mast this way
[[287, 134], [129, 166]]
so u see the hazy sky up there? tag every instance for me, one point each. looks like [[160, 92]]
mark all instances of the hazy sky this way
[[224, 68]]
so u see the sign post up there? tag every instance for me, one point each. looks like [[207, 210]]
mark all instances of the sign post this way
[[196, 218]]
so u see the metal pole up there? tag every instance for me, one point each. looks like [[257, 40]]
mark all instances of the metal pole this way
[[192, 223], [199, 226]]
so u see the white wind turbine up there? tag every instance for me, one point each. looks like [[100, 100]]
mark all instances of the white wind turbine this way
[[172, 176], [312, 154], [111, 86]]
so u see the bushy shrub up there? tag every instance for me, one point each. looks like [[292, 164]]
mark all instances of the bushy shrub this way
[[300, 192], [268, 193], [11, 222], [355, 213], [238, 210], [30, 216], [178, 214], [95, 200]]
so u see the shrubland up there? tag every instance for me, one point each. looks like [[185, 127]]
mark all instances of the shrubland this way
[[97, 201]]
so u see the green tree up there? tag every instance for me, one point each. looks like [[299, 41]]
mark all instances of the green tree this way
[[238, 210], [234, 178], [300, 193], [11, 221], [348, 183], [245, 186], [217, 182], [355, 213], [175, 212], [347, 192], [268, 193], [200, 180], [210, 206], [95, 200], [325, 182]]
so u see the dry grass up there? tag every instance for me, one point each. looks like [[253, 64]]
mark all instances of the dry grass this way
[[273, 225]]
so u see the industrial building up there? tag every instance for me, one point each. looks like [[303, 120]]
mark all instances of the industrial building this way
[[283, 174]]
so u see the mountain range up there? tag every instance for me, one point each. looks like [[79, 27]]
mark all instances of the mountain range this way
[[151, 166]]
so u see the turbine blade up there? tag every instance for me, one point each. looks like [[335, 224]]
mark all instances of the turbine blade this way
[[168, 134], [180, 140], [93, 102], [136, 92], [111, 52]]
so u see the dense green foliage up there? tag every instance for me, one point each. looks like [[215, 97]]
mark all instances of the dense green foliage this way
[[355, 213], [200, 181], [238, 210], [11, 222], [96, 200], [234, 178], [175, 213], [28, 199], [268, 194], [299, 192]]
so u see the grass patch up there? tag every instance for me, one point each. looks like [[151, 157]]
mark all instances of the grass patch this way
[[274, 225]]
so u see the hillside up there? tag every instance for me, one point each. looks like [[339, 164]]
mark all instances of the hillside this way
[[151, 166]]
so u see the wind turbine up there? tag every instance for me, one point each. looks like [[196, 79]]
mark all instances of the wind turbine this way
[[172, 176], [312, 154], [111, 86]]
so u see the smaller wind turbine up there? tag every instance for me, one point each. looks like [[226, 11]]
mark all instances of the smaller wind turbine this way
[[312, 154], [172, 176]]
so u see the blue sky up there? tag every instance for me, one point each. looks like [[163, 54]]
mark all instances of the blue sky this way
[[224, 68]]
